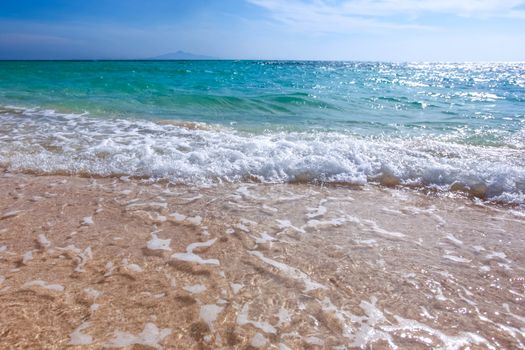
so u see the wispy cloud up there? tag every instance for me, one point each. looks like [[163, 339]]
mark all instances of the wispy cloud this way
[[465, 8], [341, 16]]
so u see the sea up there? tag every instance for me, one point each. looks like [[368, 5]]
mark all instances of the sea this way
[[262, 204], [439, 127]]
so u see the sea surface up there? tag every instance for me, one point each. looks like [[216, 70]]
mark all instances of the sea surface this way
[[445, 127]]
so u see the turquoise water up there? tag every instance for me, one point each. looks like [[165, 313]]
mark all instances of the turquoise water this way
[[443, 126]]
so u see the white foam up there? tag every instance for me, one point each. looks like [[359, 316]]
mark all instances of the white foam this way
[[454, 240], [313, 341], [518, 317], [428, 211], [497, 256], [188, 220], [464, 339], [243, 319], [150, 336], [78, 338], [286, 224], [209, 313], [521, 295], [131, 267], [314, 213], [109, 268], [435, 287], [92, 293], [258, 341], [10, 214], [155, 206], [478, 248], [82, 259], [44, 284], [192, 199], [194, 220], [458, 259], [246, 194], [425, 313], [291, 272], [373, 227], [178, 217], [88, 221], [269, 209], [27, 257], [236, 287], [484, 268], [71, 250], [368, 242], [264, 237], [316, 224], [368, 331], [144, 148], [155, 243], [195, 289], [392, 211], [284, 317], [191, 257], [43, 242]]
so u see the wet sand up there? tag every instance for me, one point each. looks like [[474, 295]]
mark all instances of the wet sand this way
[[119, 263]]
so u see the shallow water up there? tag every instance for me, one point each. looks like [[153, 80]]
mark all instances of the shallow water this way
[[271, 266]]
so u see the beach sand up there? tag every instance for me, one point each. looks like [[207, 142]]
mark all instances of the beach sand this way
[[118, 262]]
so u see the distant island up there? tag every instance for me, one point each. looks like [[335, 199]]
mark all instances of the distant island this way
[[181, 55]]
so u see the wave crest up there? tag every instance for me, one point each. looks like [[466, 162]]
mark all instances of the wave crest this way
[[49, 142]]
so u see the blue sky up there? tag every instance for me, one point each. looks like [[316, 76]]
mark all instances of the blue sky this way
[[392, 30]]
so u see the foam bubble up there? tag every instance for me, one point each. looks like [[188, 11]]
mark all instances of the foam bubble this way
[[78, 338], [44, 284], [88, 221], [150, 336], [155, 243], [258, 341], [131, 267], [27, 257], [195, 289], [43, 242], [291, 272], [192, 257], [59, 143], [209, 313]]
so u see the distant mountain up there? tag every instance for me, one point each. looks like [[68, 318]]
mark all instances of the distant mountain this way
[[181, 55]]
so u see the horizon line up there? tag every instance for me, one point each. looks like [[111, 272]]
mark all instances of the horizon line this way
[[237, 60]]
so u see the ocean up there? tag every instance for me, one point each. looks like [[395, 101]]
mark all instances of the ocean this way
[[444, 127], [262, 204]]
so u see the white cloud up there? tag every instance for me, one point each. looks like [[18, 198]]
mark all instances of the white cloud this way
[[482, 8], [341, 16]]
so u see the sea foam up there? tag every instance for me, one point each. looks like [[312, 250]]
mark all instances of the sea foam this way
[[49, 142]]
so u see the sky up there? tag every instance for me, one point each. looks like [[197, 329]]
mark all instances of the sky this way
[[375, 30]]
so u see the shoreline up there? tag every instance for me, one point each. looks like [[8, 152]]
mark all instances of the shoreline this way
[[114, 262]]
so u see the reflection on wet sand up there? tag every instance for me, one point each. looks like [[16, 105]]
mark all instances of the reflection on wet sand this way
[[116, 263]]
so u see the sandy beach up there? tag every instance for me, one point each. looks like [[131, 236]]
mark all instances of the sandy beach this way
[[122, 263], [262, 175]]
